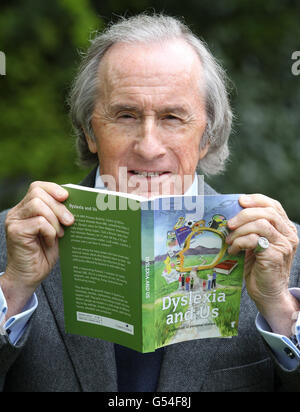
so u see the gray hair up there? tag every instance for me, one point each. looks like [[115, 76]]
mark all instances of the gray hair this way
[[146, 29]]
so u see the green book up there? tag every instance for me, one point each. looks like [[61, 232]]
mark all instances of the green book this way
[[146, 273]]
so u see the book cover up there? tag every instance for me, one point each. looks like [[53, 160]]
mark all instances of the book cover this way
[[142, 273]]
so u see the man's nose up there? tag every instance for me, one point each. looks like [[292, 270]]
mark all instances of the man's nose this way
[[150, 144]]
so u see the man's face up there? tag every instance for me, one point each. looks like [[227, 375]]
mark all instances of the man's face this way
[[150, 116]]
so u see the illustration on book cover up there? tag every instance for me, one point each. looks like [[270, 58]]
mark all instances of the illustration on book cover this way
[[197, 283]]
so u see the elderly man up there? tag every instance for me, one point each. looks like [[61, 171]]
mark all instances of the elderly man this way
[[149, 100]]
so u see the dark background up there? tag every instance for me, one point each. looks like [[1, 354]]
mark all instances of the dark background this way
[[253, 39]]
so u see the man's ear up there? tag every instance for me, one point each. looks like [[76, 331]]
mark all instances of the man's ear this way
[[203, 151], [91, 143]]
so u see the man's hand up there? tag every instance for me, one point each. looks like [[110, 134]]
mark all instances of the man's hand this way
[[32, 231], [267, 272]]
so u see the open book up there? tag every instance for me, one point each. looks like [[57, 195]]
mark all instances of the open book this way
[[142, 273]]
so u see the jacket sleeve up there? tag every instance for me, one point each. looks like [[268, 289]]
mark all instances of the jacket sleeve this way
[[9, 353], [285, 354]]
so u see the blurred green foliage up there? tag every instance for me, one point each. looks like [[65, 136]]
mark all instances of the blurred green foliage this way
[[41, 41], [253, 40]]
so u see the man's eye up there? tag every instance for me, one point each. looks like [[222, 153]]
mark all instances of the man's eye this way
[[170, 117], [126, 116]]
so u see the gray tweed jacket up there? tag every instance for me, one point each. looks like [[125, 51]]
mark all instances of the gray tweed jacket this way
[[47, 359]]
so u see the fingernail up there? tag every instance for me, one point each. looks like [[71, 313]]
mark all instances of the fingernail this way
[[61, 192], [231, 222], [245, 199], [68, 218]]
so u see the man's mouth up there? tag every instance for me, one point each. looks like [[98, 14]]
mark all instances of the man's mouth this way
[[153, 182], [147, 174]]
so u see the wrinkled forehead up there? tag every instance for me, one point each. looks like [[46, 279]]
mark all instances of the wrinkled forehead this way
[[167, 61]]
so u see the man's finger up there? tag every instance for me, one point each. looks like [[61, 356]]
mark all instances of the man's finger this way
[[31, 228], [53, 189], [59, 210], [260, 227], [259, 200], [247, 242], [252, 214], [37, 207]]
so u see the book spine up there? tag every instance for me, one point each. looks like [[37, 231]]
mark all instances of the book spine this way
[[148, 285]]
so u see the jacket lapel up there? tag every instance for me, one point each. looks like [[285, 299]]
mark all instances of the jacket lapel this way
[[89, 180]]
